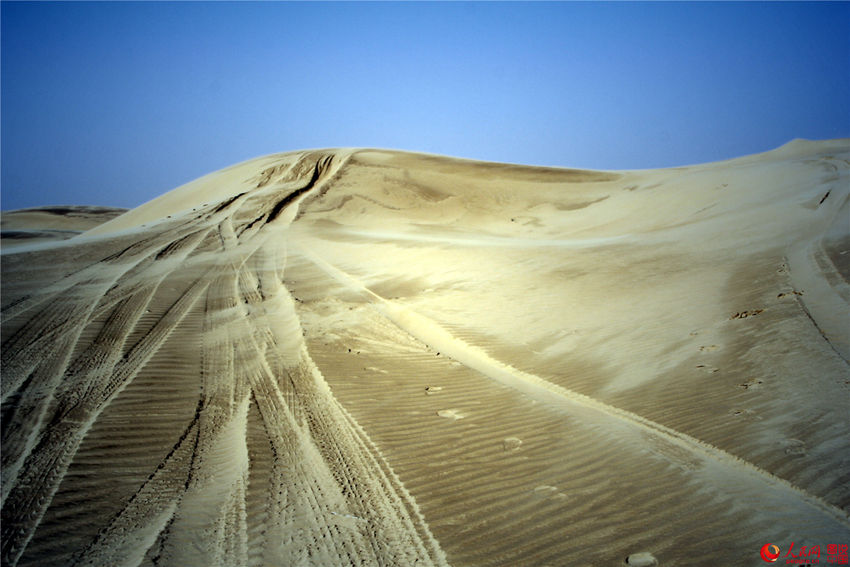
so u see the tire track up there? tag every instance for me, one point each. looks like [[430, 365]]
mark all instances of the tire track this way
[[330, 482], [157, 515], [261, 455], [373, 492], [304, 495], [404, 503], [23, 423], [76, 399], [214, 503], [133, 254], [201, 533], [130, 532], [138, 277], [105, 372], [24, 420], [23, 352], [149, 512], [223, 519], [294, 499]]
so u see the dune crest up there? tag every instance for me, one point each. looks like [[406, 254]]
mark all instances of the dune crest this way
[[369, 357]]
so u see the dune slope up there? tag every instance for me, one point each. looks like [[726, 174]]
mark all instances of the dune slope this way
[[364, 357]]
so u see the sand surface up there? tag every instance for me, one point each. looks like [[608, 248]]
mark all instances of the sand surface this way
[[364, 357]]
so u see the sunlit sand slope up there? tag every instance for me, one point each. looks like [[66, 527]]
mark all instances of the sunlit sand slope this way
[[363, 357]]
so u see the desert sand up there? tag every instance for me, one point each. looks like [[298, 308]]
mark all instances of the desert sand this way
[[370, 357]]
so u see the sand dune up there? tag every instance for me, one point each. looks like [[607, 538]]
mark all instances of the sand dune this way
[[367, 357]]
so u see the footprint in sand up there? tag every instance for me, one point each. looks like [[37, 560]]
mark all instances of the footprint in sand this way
[[751, 384], [744, 414], [795, 448], [549, 493], [510, 444], [747, 313], [642, 559], [450, 414]]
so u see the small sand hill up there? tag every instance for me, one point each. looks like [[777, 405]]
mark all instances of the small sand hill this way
[[368, 357], [41, 224]]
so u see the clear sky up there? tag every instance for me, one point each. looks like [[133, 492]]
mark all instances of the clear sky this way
[[117, 103]]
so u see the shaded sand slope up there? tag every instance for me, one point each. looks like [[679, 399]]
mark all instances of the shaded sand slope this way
[[363, 357]]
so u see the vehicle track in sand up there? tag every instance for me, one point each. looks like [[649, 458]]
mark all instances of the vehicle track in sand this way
[[326, 494]]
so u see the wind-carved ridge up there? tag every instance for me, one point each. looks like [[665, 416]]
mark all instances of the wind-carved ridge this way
[[321, 167]]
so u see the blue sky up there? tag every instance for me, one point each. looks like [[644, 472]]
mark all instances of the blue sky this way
[[116, 103]]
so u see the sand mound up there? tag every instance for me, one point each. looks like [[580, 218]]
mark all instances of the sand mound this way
[[363, 357]]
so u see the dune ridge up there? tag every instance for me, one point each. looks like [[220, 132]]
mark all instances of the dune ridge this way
[[369, 357]]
